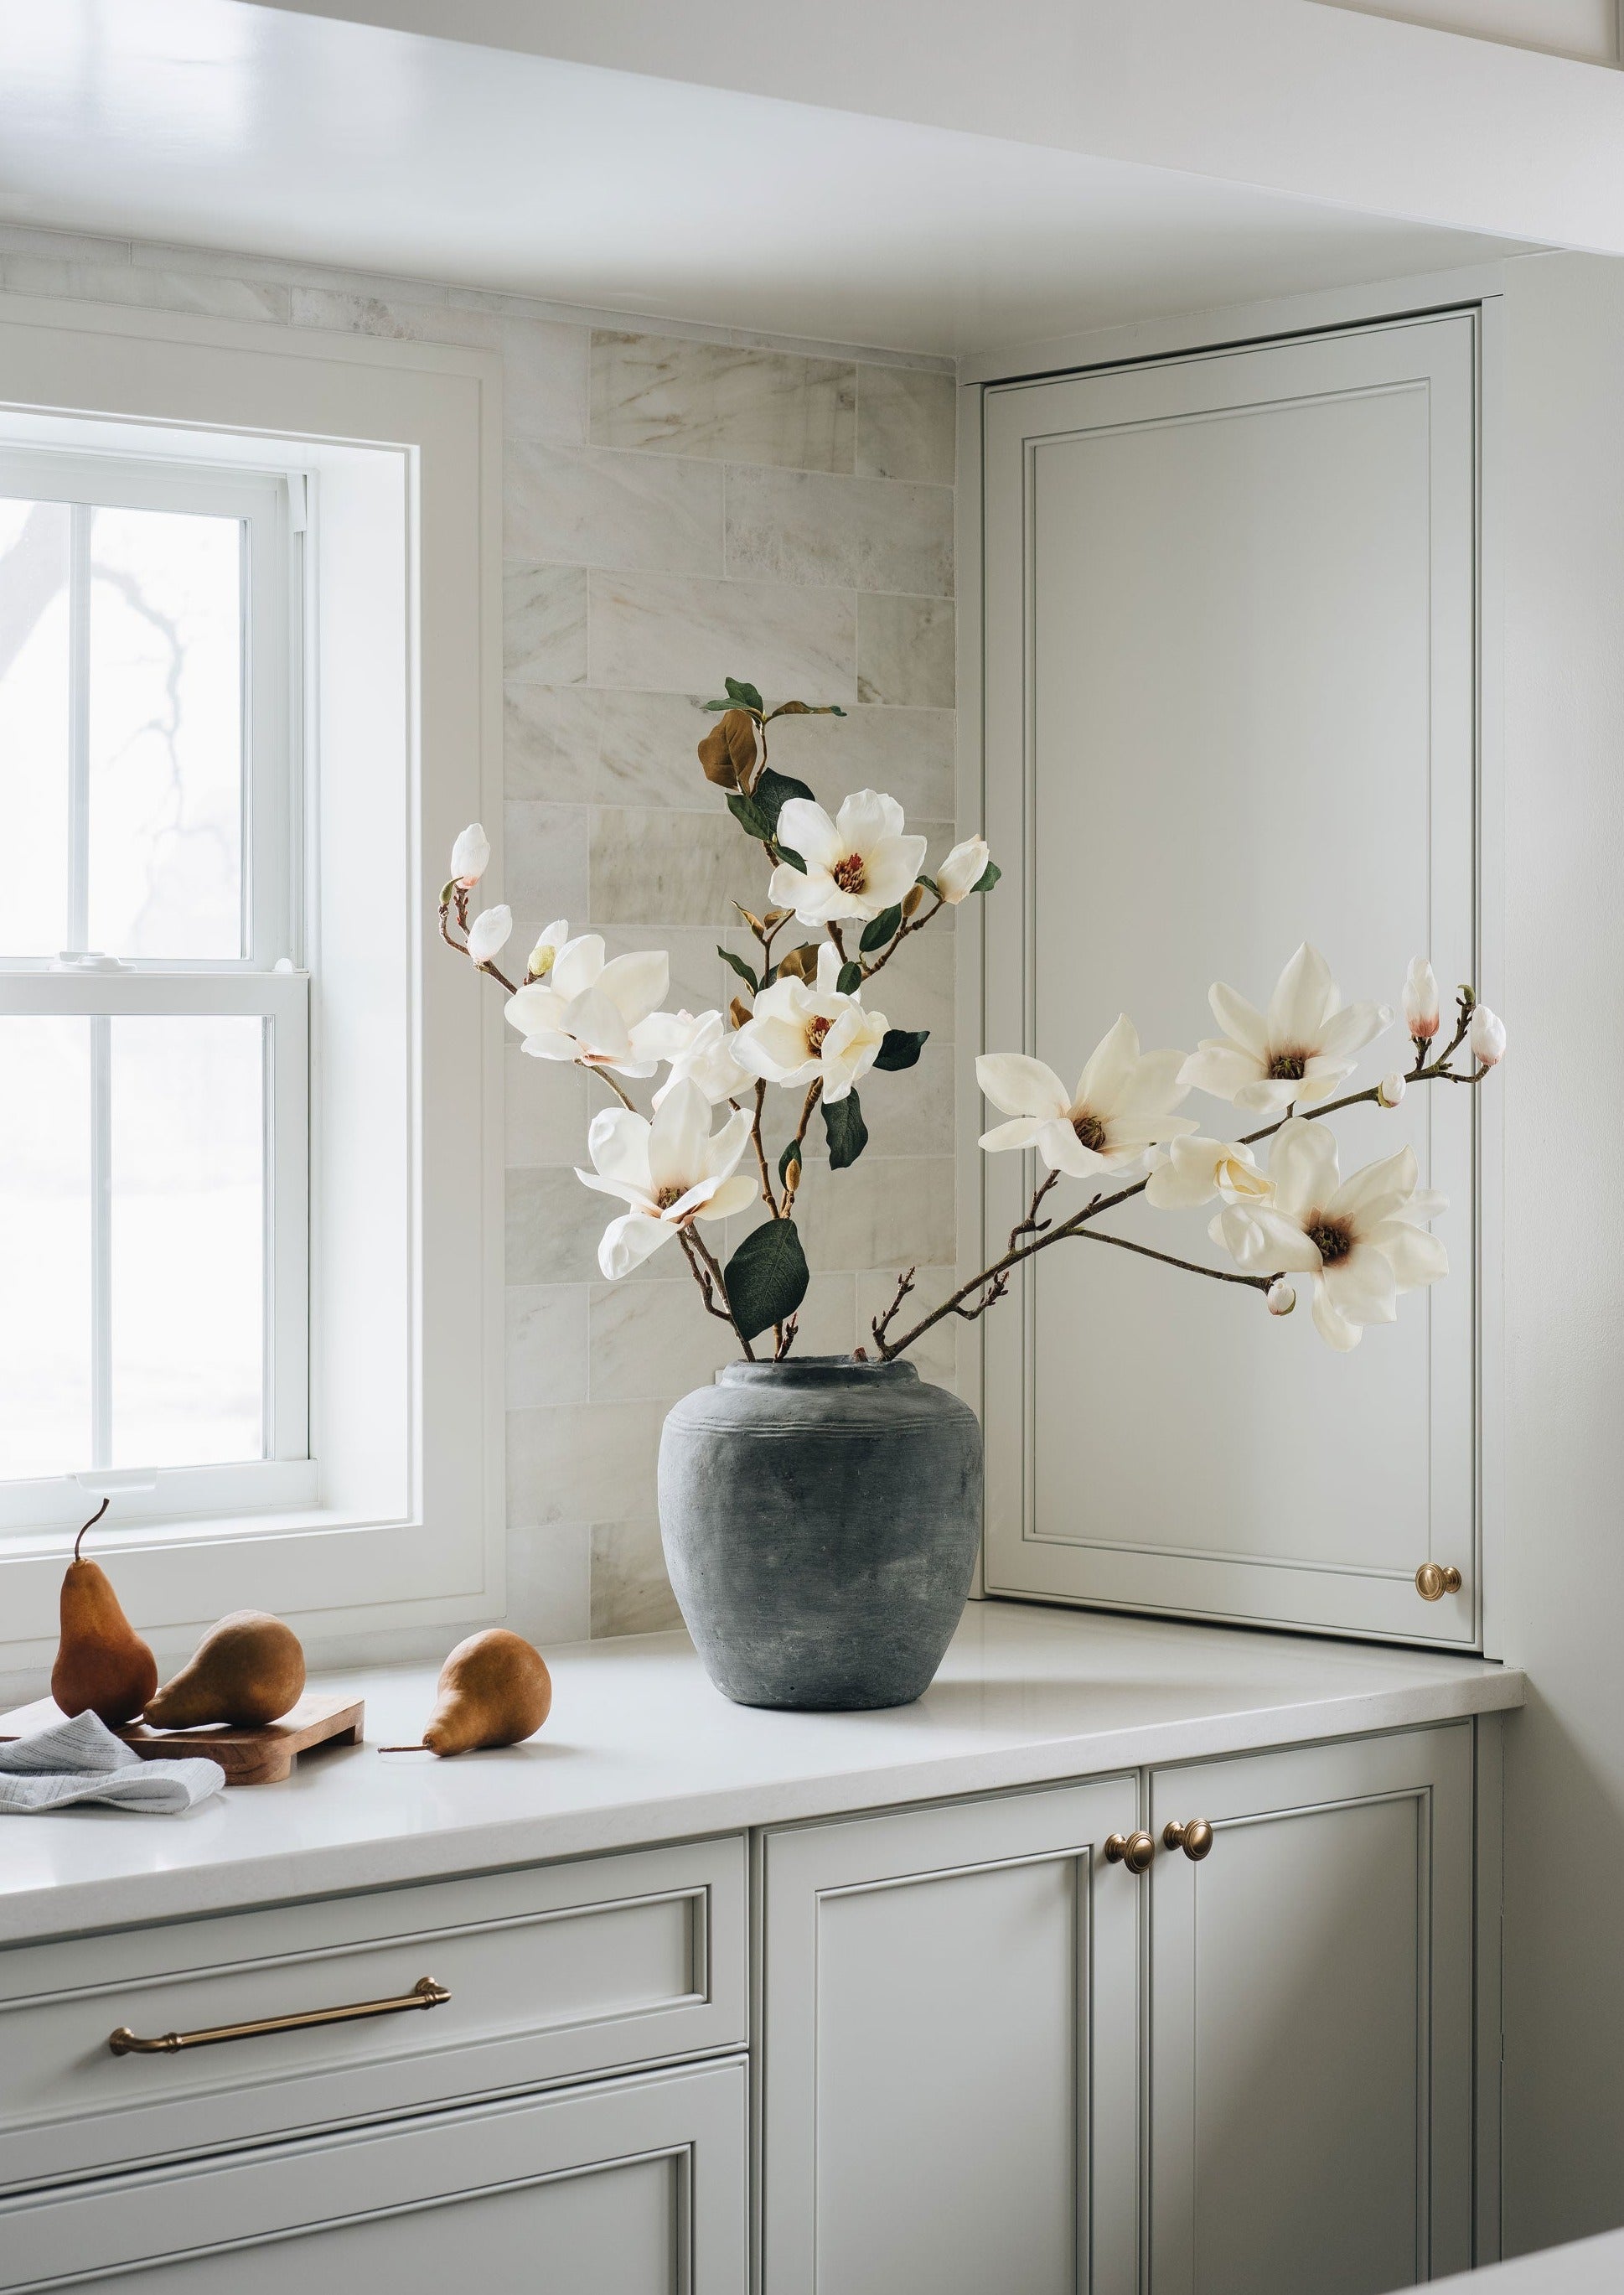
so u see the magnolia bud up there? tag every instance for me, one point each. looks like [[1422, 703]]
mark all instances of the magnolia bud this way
[[1279, 1298], [963, 869], [1390, 1091], [792, 1179], [544, 954], [1486, 1037], [488, 934], [1421, 1000], [911, 899], [471, 856]]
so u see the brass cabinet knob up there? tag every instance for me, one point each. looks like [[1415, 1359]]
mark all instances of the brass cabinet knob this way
[[1433, 1581], [1195, 1837], [1133, 1849]]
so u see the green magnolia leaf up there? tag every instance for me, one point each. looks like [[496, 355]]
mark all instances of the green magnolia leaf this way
[[850, 979], [848, 1133], [772, 792], [791, 1155], [901, 1047], [835, 710], [740, 967], [750, 819], [716, 704], [742, 695], [766, 1277], [793, 860], [988, 877], [929, 882], [881, 928]]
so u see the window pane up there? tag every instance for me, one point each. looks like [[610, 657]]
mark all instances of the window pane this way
[[165, 734], [34, 735], [188, 1240], [45, 1246]]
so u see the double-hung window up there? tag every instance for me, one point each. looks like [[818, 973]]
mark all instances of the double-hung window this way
[[154, 1025]]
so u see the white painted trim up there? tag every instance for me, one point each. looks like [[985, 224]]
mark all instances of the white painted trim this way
[[969, 933], [1493, 1533], [1235, 326], [411, 1467]]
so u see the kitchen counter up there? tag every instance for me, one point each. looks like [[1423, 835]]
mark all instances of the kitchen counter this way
[[1589, 2267], [640, 1749]]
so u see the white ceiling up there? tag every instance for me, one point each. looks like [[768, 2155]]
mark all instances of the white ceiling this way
[[214, 123]]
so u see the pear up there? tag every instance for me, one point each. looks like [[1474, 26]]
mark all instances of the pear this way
[[102, 1665], [246, 1670], [494, 1689]]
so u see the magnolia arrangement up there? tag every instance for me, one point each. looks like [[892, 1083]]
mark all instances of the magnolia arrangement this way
[[807, 1029]]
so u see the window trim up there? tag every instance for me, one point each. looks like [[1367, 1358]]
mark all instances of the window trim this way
[[403, 442]]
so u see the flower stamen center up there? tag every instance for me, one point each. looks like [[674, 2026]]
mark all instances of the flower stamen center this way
[[1090, 1131], [816, 1032], [1332, 1241], [667, 1197], [1287, 1067], [849, 873]]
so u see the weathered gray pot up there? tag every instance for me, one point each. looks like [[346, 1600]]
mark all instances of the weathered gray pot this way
[[820, 1520]]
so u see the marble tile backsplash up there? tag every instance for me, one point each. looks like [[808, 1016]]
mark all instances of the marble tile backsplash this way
[[680, 505]]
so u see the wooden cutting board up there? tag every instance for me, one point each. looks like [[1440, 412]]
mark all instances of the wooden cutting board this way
[[248, 1757]]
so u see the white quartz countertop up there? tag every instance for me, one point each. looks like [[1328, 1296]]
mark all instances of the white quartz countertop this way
[[1590, 2266], [641, 1748]]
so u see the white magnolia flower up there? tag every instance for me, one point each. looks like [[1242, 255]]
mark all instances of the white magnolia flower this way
[[669, 1171], [857, 864], [700, 1051], [1122, 1103], [594, 1012], [1486, 1037], [554, 938], [1420, 999], [1191, 1172], [471, 856], [1393, 1087], [489, 933], [801, 1033], [1361, 1239], [1298, 1050], [963, 869]]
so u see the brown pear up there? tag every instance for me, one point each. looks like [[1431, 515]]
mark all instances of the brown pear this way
[[494, 1689], [247, 1670], [102, 1665]]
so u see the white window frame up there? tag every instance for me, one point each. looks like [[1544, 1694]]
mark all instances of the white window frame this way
[[401, 447], [245, 983]]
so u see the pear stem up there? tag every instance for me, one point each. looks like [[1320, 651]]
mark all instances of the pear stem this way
[[419, 1748], [91, 1524]]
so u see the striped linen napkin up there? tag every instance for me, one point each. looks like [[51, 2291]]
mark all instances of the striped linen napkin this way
[[81, 1760]]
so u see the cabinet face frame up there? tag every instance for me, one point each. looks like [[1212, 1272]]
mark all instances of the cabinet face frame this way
[[991, 1367], [1435, 1769], [805, 1869]]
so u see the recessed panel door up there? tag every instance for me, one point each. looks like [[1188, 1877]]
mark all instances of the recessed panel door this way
[[1231, 680]]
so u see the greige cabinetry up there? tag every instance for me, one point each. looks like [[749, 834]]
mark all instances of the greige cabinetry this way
[[995, 2057]]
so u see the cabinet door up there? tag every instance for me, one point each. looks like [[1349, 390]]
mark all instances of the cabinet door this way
[[1311, 1989], [1231, 674], [637, 2187], [950, 2068]]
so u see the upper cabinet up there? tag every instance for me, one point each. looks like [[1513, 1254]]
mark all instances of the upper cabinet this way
[[1231, 704]]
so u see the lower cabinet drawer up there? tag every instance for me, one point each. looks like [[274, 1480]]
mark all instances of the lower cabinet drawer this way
[[553, 1973], [633, 2187]]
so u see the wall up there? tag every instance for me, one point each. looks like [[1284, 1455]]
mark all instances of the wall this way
[[1587, 30], [679, 506], [1563, 1114]]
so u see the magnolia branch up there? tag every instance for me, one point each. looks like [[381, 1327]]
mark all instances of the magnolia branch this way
[[993, 1281], [708, 1274]]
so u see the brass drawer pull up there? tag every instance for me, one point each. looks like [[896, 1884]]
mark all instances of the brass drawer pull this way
[[1194, 1836], [1133, 1849], [424, 1994]]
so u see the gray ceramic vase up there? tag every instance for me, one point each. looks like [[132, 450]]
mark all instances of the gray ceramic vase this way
[[820, 1520]]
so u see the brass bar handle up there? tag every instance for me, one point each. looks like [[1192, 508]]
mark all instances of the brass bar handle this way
[[1433, 1581], [1133, 1849], [424, 1994], [1194, 1836]]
